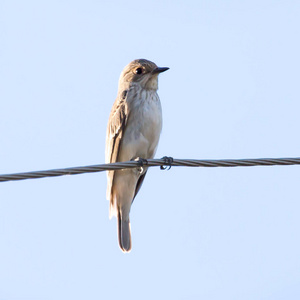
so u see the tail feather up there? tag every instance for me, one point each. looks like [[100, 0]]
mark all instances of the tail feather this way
[[124, 233]]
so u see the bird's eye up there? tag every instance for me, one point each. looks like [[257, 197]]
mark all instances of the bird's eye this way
[[139, 71]]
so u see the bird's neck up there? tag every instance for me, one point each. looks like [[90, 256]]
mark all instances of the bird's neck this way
[[150, 85]]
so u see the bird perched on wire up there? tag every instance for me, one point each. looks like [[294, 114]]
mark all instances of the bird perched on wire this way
[[133, 132]]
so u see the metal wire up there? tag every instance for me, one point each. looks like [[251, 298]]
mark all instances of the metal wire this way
[[153, 163]]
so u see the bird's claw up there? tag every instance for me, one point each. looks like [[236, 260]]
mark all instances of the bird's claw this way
[[168, 160], [142, 162]]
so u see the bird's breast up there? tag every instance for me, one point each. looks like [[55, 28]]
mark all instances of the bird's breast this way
[[144, 124], [148, 115]]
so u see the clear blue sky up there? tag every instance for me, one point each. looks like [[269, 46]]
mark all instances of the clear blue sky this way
[[232, 91]]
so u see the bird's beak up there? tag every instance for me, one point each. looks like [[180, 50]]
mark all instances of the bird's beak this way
[[159, 70]]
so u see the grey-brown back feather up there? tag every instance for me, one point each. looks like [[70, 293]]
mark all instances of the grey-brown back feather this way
[[115, 130]]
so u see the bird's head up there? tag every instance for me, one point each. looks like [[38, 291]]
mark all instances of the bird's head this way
[[141, 72]]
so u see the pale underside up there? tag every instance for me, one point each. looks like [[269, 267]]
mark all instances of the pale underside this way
[[133, 132]]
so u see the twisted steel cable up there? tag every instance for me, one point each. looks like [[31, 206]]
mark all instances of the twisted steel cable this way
[[163, 162]]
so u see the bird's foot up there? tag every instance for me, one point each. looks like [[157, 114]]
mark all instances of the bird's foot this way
[[168, 160], [142, 162]]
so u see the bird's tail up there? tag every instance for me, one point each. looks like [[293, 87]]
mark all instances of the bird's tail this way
[[124, 233]]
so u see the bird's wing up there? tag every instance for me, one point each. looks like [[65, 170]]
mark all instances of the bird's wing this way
[[139, 184], [115, 130]]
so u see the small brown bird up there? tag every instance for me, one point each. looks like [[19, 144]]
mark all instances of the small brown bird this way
[[133, 132]]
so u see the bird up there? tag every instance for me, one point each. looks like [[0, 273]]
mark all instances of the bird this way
[[133, 132]]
